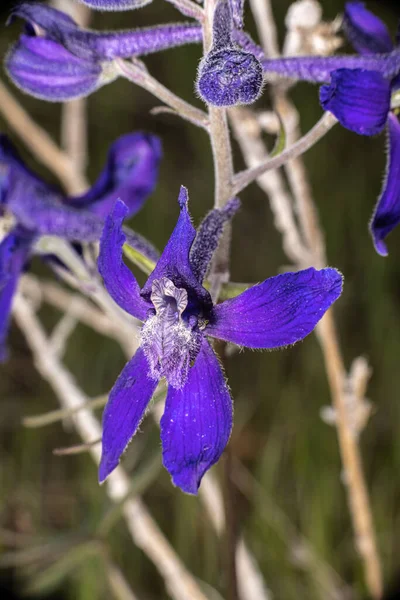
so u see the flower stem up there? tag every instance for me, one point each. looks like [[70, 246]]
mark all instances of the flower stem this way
[[141, 77], [321, 128]]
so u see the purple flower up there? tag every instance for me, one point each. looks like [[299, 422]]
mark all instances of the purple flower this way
[[115, 4], [228, 75], [359, 99], [368, 34], [178, 317], [57, 60], [130, 173]]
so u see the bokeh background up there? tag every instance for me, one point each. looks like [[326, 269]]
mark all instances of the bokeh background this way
[[278, 435]]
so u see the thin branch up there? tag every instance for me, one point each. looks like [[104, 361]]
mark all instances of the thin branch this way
[[358, 498], [138, 75], [145, 533], [320, 129], [73, 120], [40, 143], [189, 9], [248, 133]]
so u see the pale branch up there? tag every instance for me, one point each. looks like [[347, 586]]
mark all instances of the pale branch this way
[[189, 9], [248, 133], [320, 129], [358, 498], [74, 138], [40, 143], [136, 74]]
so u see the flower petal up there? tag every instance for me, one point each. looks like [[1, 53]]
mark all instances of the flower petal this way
[[174, 262], [115, 4], [124, 411], [387, 211], [46, 70], [14, 252], [41, 209], [197, 422], [280, 311], [96, 45], [130, 175], [359, 99], [118, 279], [366, 32], [11, 165]]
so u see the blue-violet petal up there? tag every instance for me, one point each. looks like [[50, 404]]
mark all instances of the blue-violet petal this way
[[197, 422], [387, 212], [124, 411], [118, 279], [359, 99], [366, 32], [280, 311]]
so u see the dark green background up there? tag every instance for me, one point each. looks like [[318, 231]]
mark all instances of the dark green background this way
[[278, 432]]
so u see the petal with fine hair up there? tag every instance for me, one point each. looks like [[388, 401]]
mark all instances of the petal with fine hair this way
[[174, 262], [115, 4], [45, 69], [359, 99], [280, 311], [366, 32], [197, 422], [118, 279], [124, 411], [42, 209], [14, 252], [130, 174], [99, 45], [387, 211]]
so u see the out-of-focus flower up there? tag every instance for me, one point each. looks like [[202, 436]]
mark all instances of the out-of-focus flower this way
[[228, 75], [115, 4], [178, 317], [57, 60], [38, 209], [369, 34]]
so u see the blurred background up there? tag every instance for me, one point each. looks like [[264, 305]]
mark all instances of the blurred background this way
[[289, 454]]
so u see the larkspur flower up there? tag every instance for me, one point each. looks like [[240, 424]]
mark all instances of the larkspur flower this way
[[178, 317], [228, 75], [368, 34], [57, 60], [38, 209]]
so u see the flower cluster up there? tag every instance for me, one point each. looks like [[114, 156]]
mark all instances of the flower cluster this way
[[58, 60]]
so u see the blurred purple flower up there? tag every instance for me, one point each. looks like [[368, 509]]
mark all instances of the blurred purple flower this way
[[368, 34], [178, 315], [115, 4], [130, 173], [57, 60], [228, 75]]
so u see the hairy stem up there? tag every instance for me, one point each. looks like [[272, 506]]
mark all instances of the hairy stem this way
[[138, 75]]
